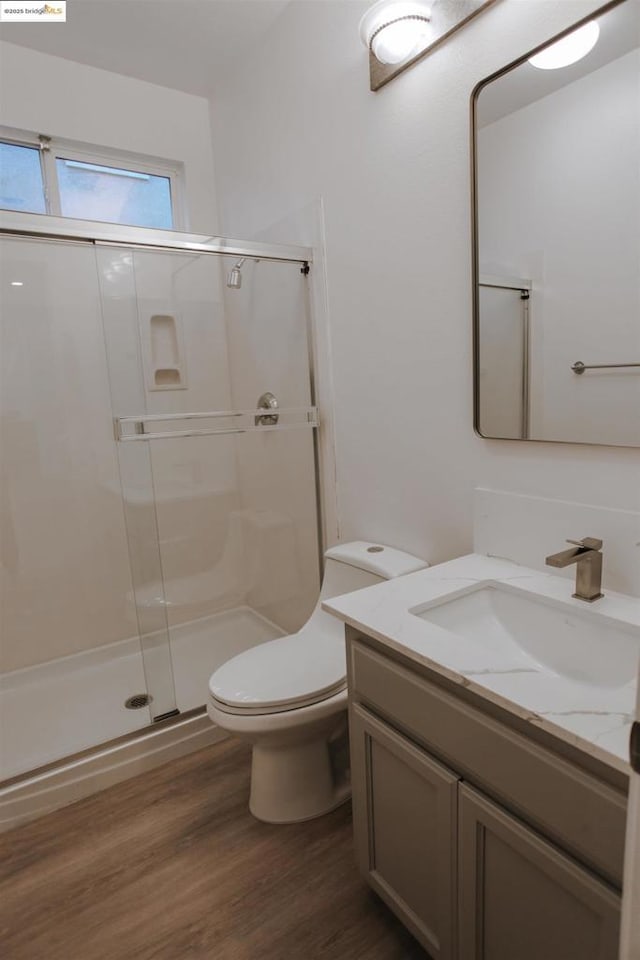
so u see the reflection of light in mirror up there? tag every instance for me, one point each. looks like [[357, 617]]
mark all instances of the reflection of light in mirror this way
[[17, 283], [568, 50]]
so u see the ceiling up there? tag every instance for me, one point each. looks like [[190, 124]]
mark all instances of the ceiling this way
[[184, 44]]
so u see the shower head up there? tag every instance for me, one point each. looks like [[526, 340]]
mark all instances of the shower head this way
[[234, 277]]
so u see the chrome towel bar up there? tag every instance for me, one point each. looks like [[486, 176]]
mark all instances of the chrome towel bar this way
[[580, 367]]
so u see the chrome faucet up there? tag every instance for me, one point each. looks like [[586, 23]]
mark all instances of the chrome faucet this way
[[588, 560]]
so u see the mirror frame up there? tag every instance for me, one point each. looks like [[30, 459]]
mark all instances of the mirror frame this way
[[475, 259]]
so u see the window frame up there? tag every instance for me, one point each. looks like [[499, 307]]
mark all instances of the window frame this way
[[52, 149]]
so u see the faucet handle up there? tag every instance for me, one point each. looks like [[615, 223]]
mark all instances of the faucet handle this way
[[588, 543]]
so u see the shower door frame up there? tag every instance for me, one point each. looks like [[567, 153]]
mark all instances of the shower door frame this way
[[101, 235], [45, 227]]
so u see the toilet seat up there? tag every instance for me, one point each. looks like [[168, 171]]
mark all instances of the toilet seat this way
[[284, 674], [263, 710]]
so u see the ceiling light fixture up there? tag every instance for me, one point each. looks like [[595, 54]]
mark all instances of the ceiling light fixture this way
[[395, 31], [398, 33], [569, 49]]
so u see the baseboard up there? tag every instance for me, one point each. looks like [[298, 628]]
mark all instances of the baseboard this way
[[58, 785]]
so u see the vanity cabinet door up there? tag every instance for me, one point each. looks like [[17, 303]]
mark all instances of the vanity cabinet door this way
[[404, 811], [520, 897]]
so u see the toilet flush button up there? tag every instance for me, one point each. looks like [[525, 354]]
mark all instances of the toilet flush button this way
[[375, 549]]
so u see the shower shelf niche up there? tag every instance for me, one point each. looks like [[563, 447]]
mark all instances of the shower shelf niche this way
[[165, 364]]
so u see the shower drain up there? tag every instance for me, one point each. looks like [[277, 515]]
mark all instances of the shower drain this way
[[138, 700]]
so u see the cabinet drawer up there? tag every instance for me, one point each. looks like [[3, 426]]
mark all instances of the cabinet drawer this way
[[580, 813]]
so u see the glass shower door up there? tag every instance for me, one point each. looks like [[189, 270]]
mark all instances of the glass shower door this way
[[220, 500], [69, 647]]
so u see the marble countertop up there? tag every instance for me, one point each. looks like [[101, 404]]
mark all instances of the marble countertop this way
[[596, 719]]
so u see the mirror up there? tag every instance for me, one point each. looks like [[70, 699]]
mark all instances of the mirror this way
[[557, 242]]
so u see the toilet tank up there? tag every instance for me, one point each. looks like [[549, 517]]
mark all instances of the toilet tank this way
[[351, 566]]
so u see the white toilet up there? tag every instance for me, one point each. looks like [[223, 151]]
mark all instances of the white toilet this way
[[288, 696]]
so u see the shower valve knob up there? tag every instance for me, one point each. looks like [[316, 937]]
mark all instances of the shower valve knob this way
[[267, 402]]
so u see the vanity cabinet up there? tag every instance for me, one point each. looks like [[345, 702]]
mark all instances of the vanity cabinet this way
[[487, 846]]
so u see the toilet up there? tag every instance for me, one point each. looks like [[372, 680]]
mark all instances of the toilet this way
[[288, 696]]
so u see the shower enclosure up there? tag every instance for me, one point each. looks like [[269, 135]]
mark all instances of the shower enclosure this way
[[160, 503]]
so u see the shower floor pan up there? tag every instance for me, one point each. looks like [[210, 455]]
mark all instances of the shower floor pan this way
[[59, 708]]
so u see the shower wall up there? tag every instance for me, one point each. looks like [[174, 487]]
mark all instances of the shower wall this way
[[268, 340], [233, 512]]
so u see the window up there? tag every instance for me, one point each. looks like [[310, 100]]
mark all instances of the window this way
[[90, 191], [43, 175], [21, 182]]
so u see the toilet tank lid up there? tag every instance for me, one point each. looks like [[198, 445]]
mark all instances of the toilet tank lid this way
[[386, 562]]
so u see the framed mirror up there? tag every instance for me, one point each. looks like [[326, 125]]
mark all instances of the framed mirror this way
[[556, 193]]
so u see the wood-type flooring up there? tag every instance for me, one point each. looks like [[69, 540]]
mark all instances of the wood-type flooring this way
[[171, 865]]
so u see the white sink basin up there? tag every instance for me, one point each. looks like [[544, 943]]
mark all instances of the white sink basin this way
[[518, 629]]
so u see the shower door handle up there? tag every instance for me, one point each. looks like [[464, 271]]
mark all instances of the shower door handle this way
[[154, 426]]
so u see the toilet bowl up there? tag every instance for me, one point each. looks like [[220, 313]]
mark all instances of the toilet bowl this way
[[288, 696]]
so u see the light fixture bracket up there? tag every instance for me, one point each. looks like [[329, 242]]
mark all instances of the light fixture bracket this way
[[445, 17]]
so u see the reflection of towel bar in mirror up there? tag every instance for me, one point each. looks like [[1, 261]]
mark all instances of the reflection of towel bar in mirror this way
[[506, 283], [580, 367], [135, 428]]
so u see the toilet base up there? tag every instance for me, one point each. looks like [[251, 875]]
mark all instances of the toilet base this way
[[300, 758], [291, 782]]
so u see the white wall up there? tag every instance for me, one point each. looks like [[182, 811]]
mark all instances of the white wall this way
[[296, 122], [61, 98], [525, 529], [559, 203]]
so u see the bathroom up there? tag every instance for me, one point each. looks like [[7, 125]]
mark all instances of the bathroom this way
[[138, 568]]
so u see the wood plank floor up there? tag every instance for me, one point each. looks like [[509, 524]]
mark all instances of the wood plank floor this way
[[171, 866]]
